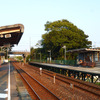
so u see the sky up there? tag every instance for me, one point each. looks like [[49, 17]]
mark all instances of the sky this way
[[34, 14]]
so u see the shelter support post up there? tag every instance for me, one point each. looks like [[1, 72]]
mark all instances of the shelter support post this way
[[78, 75], [69, 73], [92, 57], [0, 60], [92, 78], [98, 56], [84, 75], [74, 74]]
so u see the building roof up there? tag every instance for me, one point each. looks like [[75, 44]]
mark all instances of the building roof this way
[[11, 34], [84, 50]]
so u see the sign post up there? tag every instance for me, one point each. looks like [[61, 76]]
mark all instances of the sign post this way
[[54, 77], [40, 71]]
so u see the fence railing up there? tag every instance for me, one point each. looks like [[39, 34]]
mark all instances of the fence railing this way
[[64, 62]]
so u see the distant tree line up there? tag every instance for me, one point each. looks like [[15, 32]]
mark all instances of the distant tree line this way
[[58, 34]]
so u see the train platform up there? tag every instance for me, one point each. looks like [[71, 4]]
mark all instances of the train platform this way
[[82, 73], [11, 86], [95, 70]]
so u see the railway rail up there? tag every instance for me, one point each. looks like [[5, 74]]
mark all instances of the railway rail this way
[[78, 84], [84, 86], [39, 92]]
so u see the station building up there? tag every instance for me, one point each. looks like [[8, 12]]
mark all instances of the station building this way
[[87, 56]]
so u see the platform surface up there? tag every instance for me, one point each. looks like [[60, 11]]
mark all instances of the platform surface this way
[[13, 89]]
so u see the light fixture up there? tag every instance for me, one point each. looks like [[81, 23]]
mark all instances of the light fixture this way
[[1, 36], [7, 35]]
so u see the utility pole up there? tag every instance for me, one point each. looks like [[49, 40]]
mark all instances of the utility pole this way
[[65, 51]]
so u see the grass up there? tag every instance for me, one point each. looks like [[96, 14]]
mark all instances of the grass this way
[[98, 83]]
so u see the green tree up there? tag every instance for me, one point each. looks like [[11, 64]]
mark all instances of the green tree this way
[[60, 33], [28, 58], [32, 51], [19, 58]]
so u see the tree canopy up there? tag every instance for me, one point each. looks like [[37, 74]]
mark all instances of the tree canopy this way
[[63, 33]]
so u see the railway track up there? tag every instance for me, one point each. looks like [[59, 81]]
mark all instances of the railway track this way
[[78, 84], [84, 86], [39, 92]]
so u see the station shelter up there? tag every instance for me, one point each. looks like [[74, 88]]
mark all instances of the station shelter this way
[[9, 36], [87, 56]]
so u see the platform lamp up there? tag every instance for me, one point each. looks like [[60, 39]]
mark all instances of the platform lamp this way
[[50, 55], [64, 47], [40, 56]]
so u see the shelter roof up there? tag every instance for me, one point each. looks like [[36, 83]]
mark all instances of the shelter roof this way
[[11, 34], [84, 50]]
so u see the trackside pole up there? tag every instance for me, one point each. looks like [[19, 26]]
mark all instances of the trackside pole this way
[[54, 78], [0, 61], [71, 85], [40, 71]]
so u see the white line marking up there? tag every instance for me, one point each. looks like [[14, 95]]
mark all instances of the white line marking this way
[[6, 89], [9, 98], [96, 71], [2, 95]]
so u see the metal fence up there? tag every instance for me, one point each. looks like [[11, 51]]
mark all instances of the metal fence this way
[[64, 62]]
